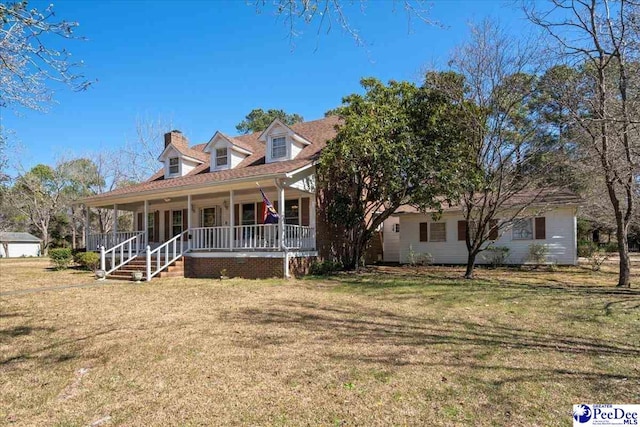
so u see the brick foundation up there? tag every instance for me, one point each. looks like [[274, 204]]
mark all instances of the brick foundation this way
[[245, 267]]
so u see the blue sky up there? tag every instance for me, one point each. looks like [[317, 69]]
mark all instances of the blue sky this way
[[203, 65]]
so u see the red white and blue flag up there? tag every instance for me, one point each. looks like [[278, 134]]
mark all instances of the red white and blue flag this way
[[269, 214]]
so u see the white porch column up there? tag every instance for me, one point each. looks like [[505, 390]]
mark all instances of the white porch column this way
[[145, 223], [312, 218], [281, 224], [189, 209], [87, 225], [115, 225], [280, 188], [232, 219]]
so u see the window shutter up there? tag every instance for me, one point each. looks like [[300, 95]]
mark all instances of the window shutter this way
[[424, 232], [185, 220], [541, 228], [140, 222], [462, 230], [167, 225], [493, 229], [236, 214], [259, 213], [304, 206], [156, 226]]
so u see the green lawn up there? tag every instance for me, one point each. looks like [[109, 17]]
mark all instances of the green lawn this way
[[391, 346]]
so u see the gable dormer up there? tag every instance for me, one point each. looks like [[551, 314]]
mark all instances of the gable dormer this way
[[226, 152], [281, 142], [176, 161]]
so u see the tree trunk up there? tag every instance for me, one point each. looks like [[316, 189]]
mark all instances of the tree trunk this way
[[471, 262], [73, 234], [624, 275]]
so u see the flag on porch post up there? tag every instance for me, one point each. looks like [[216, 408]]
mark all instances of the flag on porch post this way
[[269, 214]]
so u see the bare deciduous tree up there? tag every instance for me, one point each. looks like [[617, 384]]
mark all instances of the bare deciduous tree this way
[[596, 90], [39, 195], [329, 13], [494, 79], [143, 150], [30, 60]]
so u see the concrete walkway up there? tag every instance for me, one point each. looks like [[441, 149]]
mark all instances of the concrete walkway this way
[[59, 288]]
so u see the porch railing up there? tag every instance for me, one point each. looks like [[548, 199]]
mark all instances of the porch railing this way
[[299, 237], [121, 253], [210, 238], [252, 237], [259, 236], [109, 240], [166, 254]]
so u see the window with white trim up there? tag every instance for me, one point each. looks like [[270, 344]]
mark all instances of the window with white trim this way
[[438, 232], [208, 217], [174, 165], [291, 212], [221, 157], [522, 229], [395, 228], [278, 147]]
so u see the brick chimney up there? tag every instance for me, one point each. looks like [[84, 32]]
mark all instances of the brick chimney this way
[[176, 137]]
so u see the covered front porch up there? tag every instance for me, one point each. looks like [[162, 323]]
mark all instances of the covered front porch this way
[[230, 220]]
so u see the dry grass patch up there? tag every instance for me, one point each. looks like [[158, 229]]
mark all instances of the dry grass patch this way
[[26, 273], [387, 347]]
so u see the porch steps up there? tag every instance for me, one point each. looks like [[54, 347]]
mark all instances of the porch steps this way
[[175, 269]]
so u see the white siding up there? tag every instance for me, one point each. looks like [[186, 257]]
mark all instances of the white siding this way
[[295, 149], [170, 154], [391, 240], [187, 166], [236, 158], [560, 239], [17, 250]]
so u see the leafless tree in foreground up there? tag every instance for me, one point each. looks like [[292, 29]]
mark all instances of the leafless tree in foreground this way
[[30, 59], [596, 88], [329, 13], [494, 79]]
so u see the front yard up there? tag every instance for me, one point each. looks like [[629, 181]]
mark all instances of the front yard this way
[[392, 346]]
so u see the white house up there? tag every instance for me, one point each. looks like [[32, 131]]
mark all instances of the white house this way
[[550, 222], [15, 245], [202, 214], [203, 208]]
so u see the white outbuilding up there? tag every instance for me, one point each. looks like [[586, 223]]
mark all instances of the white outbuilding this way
[[15, 245]]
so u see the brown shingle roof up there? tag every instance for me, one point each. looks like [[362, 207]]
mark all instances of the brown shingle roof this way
[[550, 197], [195, 151], [237, 142], [318, 132]]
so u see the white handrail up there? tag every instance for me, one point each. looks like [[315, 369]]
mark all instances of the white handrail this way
[[127, 250], [173, 249]]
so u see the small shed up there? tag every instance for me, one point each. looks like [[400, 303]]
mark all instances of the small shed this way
[[15, 245]]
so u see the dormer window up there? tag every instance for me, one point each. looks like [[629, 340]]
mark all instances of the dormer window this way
[[174, 165], [281, 142], [278, 147], [221, 157]]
